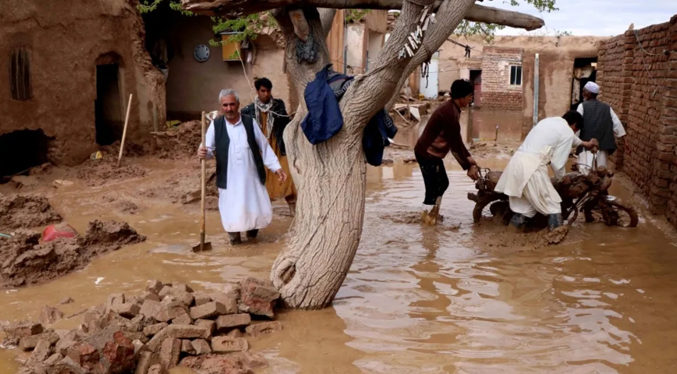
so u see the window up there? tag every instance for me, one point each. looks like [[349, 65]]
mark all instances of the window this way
[[20, 74], [515, 75]]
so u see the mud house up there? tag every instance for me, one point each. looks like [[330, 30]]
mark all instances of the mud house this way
[[71, 74], [638, 78], [503, 73], [197, 68], [67, 77]]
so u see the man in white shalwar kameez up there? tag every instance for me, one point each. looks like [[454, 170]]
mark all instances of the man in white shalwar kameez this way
[[241, 151], [526, 181], [601, 123]]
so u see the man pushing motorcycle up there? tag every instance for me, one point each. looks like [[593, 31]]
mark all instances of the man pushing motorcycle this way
[[525, 180]]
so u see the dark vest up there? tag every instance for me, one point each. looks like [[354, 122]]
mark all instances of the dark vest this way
[[597, 123], [222, 143]]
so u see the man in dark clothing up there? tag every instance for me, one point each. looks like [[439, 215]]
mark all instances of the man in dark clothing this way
[[601, 123], [442, 135], [271, 115]]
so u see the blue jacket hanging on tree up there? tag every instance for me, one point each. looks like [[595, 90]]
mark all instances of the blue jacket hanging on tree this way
[[325, 120]]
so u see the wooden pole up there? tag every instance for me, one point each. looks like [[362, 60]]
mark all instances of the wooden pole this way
[[202, 191], [124, 131]]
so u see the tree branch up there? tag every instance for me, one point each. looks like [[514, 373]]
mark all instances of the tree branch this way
[[486, 14], [238, 8], [447, 20], [327, 18], [301, 28], [370, 92]]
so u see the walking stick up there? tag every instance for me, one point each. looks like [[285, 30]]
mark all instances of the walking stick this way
[[203, 246]]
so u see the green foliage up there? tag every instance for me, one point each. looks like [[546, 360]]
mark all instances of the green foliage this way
[[147, 6], [248, 27], [356, 15], [542, 5], [485, 30]]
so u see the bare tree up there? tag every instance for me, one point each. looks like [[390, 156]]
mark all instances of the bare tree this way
[[331, 176]]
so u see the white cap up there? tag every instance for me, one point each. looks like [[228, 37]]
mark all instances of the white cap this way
[[592, 87]]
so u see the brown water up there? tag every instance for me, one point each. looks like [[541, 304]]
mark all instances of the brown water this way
[[493, 125], [417, 299], [477, 125]]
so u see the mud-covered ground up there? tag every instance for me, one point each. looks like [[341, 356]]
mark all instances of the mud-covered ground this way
[[27, 260], [456, 298]]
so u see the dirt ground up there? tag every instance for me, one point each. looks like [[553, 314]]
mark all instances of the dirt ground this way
[[457, 298], [27, 261], [20, 211]]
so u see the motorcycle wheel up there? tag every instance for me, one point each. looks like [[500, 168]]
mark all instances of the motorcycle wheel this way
[[481, 204], [614, 213], [501, 211]]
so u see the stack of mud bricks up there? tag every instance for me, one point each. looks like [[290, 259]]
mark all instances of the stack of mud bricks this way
[[497, 93], [637, 73]]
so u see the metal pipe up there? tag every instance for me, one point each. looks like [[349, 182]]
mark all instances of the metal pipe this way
[[535, 117]]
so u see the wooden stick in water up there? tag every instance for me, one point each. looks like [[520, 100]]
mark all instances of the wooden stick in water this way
[[124, 131]]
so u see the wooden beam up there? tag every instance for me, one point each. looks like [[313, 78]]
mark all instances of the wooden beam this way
[[238, 8]]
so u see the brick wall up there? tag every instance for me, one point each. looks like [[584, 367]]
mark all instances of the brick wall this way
[[496, 89], [639, 81], [617, 82]]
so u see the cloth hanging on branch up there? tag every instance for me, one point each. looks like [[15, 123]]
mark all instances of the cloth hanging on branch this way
[[425, 72], [324, 119]]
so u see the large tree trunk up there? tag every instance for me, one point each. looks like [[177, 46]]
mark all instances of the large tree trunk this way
[[331, 177], [330, 207]]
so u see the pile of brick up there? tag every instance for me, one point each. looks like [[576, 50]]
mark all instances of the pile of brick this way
[[165, 327]]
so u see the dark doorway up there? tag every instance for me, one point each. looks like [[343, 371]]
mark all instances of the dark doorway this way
[[585, 70], [21, 150], [476, 80], [108, 107]]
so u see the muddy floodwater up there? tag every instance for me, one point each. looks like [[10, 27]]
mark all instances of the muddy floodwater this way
[[417, 299]]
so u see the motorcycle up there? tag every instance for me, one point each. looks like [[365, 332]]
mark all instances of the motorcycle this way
[[587, 193]]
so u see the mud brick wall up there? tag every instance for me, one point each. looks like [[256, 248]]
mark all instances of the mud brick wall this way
[[65, 49], [617, 82], [497, 93], [638, 78]]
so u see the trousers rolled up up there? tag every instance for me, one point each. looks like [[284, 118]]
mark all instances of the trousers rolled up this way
[[434, 178]]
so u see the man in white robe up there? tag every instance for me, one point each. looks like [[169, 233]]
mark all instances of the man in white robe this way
[[525, 180], [601, 123], [241, 151]]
